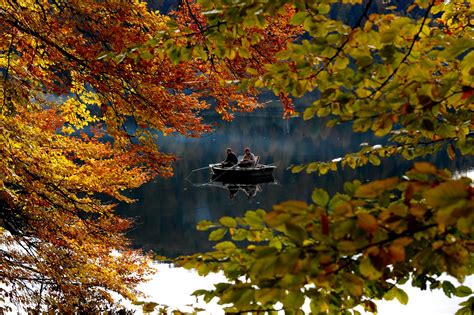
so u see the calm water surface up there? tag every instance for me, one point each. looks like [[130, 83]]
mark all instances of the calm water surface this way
[[168, 210]]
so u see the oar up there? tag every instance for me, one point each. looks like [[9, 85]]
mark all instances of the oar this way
[[218, 176], [198, 169]]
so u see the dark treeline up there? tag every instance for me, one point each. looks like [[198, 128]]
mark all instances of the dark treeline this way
[[347, 13]]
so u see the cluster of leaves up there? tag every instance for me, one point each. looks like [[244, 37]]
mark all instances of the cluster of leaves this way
[[392, 74], [348, 250], [87, 88], [77, 129], [231, 54], [400, 73]]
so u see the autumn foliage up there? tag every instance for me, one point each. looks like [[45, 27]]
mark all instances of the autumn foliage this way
[[81, 112]]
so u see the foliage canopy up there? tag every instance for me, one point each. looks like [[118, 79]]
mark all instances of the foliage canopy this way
[[348, 250], [78, 129], [399, 71]]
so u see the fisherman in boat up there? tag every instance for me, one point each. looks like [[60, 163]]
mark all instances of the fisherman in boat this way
[[230, 160], [248, 160]]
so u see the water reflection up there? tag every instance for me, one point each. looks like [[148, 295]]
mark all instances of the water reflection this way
[[249, 186], [168, 209]]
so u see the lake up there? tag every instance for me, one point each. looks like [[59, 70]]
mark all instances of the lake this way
[[168, 210]]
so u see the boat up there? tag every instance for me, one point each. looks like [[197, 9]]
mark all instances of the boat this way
[[242, 174]]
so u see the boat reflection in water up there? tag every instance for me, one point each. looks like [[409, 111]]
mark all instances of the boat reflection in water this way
[[249, 186]]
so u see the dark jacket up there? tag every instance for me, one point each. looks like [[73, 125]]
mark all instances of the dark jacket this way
[[231, 158]]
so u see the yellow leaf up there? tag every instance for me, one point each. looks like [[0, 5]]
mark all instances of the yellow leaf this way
[[367, 222], [397, 252], [377, 187]]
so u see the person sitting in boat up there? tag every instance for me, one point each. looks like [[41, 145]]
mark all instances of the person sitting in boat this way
[[248, 160], [230, 160]]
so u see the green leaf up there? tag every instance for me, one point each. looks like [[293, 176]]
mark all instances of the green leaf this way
[[217, 235], [341, 63], [293, 300], [309, 113], [324, 8], [251, 71], [448, 288], [225, 246], [295, 232], [361, 124], [267, 295], [149, 307], [368, 270], [374, 159], [299, 18], [390, 294], [347, 246], [462, 291], [205, 225], [320, 197], [464, 311], [253, 218], [298, 168], [228, 222], [401, 296]]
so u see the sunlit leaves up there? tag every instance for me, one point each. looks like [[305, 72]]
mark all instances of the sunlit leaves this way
[[367, 222], [228, 221], [367, 270], [397, 293], [320, 197], [217, 235], [76, 114], [446, 194], [76, 125], [406, 77]]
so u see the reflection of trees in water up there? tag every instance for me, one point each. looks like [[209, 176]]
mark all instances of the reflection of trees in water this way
[[168, 210]]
